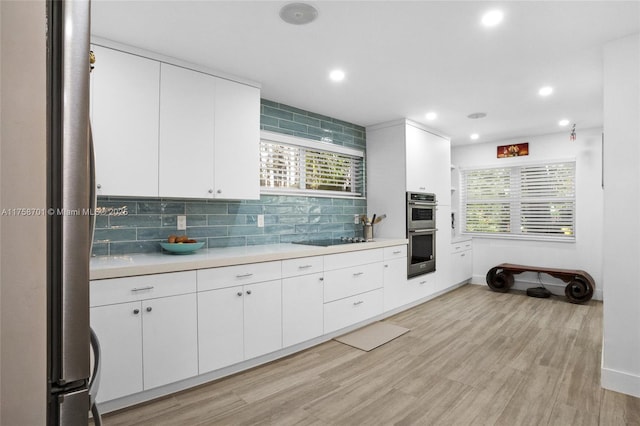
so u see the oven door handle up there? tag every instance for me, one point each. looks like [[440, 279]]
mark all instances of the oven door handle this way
[[422, 203], [422, 230]]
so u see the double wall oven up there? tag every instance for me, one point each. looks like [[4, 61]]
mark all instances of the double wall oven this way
[[421, 233]]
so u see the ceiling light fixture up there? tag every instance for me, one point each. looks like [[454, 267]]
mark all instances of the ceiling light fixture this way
[[492, 18], [474, 136], [337, 75], [563, 122], [545, 91], [431, 116], [298, 13]]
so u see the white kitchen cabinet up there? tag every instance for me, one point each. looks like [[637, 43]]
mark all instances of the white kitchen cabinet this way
[[396, 290], [262, 318], [461, 261], [352, 310], [147, 328], [119, 329], [187, 111], [169, 339], [237, 141], [302, 299], [404, 156], [443, 248], [237, 323], [220, 328], [125, 105]]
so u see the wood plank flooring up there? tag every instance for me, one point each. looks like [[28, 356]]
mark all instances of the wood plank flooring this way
[[472, 357]]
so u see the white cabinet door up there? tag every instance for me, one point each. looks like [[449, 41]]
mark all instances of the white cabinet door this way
[[170, 339], [237, 141], [302, 312], [186, 133], [396, 289], [119, 330], [125, 104], [439, 169], [443, 248], [262, 318], [418, 160], [220, 328]]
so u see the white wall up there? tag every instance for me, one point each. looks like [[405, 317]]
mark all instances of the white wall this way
[[23, 361], [586, 252], [621, 343]]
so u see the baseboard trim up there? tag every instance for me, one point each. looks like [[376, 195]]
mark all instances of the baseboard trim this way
[[619, 381]]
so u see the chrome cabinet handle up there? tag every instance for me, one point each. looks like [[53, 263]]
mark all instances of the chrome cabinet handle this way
[[219, 191], [304, 266], [356, 274], [239, 293], [397, 252], [462, 255], [244, 275], [136, 311], [422, 282], [210, 191], [99, 186], [149, 287], [248, 291], [359, 302], [149, 308], [321, 278]]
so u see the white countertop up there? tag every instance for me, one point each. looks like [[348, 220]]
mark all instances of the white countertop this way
[[128, 265]]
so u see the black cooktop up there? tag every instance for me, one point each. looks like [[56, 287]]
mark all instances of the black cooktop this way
[[331, 242]]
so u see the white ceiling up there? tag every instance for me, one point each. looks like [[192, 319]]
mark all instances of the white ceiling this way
[[402, 58]]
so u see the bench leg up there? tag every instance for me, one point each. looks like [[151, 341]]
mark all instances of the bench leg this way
[[499, 281], [579, 290]]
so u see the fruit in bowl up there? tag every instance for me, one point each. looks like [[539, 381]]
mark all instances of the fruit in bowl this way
[[180, 239]]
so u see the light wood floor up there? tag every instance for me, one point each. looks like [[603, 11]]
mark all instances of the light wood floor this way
[[472, 357]]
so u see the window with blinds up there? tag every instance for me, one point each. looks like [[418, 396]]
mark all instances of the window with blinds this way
[[530, 201], [302, 166]]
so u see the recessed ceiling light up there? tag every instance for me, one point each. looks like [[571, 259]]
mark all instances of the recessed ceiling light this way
[[298, 13], [337, 75], [431, 116], [545, 91], [492, 18], [477, 115], [474, 136], [563, 122]]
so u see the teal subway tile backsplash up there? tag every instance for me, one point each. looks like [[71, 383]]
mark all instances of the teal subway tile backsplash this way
[[228, 223]]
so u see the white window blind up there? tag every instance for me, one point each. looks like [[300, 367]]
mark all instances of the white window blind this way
[[530, 201], [296, 165]]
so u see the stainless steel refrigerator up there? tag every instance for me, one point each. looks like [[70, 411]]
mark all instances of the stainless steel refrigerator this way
[[70, 202]]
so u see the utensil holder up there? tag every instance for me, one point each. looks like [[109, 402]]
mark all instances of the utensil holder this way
[[367, 232]]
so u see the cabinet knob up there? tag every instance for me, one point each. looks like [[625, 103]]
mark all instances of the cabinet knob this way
[[248, 291], [219, 191], [211, 191], [149, 308], [239, 293], [99, 186], [136, 311], [386, 266], [321, 278]]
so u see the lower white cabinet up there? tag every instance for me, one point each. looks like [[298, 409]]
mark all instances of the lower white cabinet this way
[[119, 329], [351, 310], [302, 311], [237, 323], [397, 291], [145, 341], [461, 261]]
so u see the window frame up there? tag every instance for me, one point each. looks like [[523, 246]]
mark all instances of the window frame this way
[[312, 145], [515, 202]]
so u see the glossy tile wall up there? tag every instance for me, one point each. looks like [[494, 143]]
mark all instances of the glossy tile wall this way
[[234, 223]]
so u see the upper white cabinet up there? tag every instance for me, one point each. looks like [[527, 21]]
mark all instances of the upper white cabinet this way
[[237, 141], [169, 131], [124, 117], [404, 156], [187, 112]]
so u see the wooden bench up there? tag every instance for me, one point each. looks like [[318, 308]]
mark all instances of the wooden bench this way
[[579, 288]]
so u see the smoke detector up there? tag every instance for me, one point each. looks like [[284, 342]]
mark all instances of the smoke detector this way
[[298, 13], [477, 115]]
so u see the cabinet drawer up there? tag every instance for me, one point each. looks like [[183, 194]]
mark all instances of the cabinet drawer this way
[[345, 312], [302, 266], [351, 281], [461, 246], [345, 260], [130, 289], [395, 252], [229, 276]]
